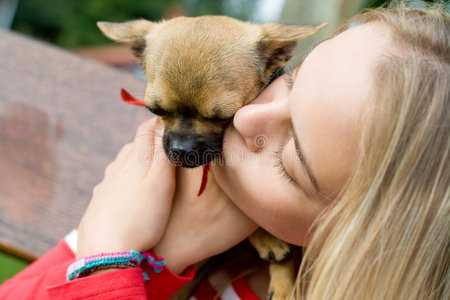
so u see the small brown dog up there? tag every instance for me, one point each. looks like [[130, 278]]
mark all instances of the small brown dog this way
[[199, 72]]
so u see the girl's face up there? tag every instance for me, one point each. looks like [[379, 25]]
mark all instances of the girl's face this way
[[290, 152]]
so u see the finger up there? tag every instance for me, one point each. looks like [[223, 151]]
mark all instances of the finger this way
[[120, 159], [158, 135], [96, 189], [138, 156], [124, 153], [110, 169], [145, 133], [160, 163]]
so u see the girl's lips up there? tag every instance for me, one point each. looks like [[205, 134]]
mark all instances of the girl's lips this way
[[129, 99]]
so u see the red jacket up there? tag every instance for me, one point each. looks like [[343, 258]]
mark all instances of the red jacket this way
[[46, 279]]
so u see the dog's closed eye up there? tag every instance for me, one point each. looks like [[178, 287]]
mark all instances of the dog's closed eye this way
[[162, 113], [158, 111], [220, 120]]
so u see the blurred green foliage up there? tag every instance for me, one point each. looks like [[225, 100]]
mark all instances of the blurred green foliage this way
[[71, 23], [10, 266]]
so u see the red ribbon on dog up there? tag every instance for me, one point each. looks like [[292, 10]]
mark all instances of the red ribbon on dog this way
[[129, 99], [204, 179]]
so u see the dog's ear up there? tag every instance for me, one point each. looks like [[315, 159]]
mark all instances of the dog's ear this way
[[131, 32], [279, 42]]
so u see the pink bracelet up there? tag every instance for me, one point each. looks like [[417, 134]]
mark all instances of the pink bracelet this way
[[121, 260]]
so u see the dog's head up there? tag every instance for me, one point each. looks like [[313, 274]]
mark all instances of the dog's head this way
[[200, 71]]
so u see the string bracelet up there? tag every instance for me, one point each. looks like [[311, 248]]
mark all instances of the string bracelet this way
[[119, 260]]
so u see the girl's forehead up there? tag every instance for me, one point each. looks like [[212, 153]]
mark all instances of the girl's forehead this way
[[327, 102], [339, 70]]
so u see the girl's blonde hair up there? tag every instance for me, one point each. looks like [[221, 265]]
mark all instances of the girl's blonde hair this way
[[388, 234]]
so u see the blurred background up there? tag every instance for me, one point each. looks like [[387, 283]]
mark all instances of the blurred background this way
[[71, 23]]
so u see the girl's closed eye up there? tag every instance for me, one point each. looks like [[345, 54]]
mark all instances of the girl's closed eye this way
[[285, 160], [279, 166]]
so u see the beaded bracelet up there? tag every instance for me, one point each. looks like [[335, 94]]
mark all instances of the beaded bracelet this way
[[121, 260]]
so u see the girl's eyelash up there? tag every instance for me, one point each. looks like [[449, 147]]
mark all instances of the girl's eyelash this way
[[278, 165], [289, 78]]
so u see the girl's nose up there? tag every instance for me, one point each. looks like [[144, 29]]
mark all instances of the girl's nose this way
[[259, 124]]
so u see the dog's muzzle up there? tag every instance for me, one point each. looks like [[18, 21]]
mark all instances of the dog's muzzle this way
[[191, 150]]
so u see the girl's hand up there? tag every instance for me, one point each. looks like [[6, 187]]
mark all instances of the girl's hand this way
[[200, 227], [129, 209]]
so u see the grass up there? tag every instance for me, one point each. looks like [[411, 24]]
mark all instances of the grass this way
[[9, 266]]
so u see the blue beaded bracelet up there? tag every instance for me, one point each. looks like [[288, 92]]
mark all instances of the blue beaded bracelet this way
[[121, 260]]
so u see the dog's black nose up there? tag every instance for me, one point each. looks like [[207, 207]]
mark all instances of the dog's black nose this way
[[182, 152], [186, 151], [182, 146]]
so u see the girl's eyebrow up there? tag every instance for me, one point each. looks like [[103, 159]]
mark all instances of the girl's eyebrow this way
[[305, 162]]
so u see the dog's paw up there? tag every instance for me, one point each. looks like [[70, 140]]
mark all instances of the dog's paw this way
[[278, 251], [282, 278], [279, 296], [269, 247]]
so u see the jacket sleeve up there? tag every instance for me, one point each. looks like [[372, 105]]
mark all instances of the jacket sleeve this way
[[123, 284], [46, 279]]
